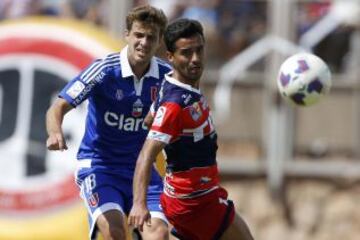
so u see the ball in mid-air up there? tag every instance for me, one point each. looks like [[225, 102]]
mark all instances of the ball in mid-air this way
[[304, 79]]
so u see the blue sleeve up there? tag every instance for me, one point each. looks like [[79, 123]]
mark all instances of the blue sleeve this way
[[83, 86]]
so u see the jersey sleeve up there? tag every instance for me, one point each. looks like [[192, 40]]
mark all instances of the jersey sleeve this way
[[81, 87], [167, 124]]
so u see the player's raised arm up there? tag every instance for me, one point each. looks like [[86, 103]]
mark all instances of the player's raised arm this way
[[139, 213], [54, 119]]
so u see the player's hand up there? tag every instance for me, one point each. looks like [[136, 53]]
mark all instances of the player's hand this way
[[139, 215], [56, 141]]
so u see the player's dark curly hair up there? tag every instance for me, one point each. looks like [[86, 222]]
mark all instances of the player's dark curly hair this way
[[181, 28], [148, 15]]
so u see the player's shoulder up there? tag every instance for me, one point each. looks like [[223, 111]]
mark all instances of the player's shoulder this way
[[164, 66], [175, 94], [101, 67], [112, 59]]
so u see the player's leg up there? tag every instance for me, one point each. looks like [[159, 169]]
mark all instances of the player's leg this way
[[237, 230], [111, 225], [158, 230], [105, 206]]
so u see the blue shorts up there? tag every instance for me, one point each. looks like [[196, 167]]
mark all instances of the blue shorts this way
[[104, 191]]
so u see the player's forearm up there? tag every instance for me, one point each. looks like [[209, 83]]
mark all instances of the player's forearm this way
[[142, 174], [55, 116], [53, 121], [141, 178]]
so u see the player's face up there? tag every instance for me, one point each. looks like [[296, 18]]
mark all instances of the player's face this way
[[188, 58], [143, 40]]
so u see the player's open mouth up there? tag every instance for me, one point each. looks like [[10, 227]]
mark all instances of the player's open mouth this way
[[141, 52], [195, 69]]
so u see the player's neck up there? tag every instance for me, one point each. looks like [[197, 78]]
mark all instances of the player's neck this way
[[180, 78], [139, 70]]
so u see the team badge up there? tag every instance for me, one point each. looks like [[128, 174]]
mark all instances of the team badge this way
[[195, 111], [119, 94], [93, 200], [153, 92], [137, 108], [159, 117]]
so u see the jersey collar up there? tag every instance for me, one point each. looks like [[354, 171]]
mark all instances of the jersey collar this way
[[180, 84], [126, 70]]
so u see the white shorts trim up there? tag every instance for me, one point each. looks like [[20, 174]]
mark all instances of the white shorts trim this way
[[101, 210], [160, 215]]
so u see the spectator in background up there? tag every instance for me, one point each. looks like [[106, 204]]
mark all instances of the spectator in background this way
[[19, 8], [90, 10], [241, 23], [171, 8]]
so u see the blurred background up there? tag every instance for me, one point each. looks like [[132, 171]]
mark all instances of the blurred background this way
[[293, 173]]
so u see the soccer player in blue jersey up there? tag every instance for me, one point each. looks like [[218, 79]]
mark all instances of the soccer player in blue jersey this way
[[193, 200], [120, 89]]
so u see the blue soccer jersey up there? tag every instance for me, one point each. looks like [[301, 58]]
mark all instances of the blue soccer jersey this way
[[118, 104]]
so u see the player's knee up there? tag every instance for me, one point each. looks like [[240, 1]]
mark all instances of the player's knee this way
[[157, 232], [161, 233]]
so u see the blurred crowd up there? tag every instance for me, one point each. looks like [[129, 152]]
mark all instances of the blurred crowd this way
[[230, 25], [89, 10]]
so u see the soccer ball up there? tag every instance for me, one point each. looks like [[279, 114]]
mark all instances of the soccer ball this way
[[303, 79]]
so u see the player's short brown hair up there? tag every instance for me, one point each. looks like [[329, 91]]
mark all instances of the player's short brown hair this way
[[148, 15]]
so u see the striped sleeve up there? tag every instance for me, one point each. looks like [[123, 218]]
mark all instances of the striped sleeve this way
[[167, 124], [81, 87]]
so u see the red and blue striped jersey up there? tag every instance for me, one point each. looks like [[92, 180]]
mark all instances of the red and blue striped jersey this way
[[182, 121]]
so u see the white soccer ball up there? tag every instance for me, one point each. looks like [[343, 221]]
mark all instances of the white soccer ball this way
[[304, 79]]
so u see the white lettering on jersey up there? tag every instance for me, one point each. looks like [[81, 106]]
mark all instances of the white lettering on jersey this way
[[129, 124], [159, 116], [75, 89], [99, 77]]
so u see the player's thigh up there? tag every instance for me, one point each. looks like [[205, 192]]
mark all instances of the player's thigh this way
[[112, 222], [105, 204], [158, 230], [238, 230]]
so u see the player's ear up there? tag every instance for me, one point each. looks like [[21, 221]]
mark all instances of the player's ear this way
[[170, 56], [126, 34]]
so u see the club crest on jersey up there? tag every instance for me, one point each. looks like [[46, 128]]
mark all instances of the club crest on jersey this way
[[137, 108], [93, 200], [119, 94], [153, 93], [195, 111]]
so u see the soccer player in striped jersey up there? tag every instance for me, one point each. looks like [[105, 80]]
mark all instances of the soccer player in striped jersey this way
[[120, 89], [193, 201]]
